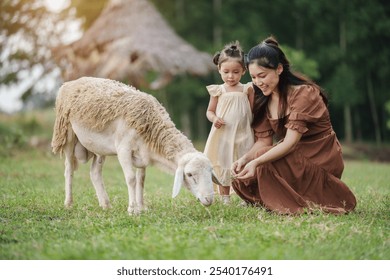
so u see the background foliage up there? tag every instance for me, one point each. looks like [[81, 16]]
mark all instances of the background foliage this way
[[341, 45]]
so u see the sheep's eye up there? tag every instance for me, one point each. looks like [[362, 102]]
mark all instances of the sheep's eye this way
[[189, 174]]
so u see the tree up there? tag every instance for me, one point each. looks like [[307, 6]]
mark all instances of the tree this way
[[27, 31], [387, 106], [370, 34], [343, 46], [349, 42]]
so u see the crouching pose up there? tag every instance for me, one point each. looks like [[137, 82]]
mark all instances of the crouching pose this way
[[302, 171]]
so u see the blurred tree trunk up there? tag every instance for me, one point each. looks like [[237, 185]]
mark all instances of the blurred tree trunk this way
[[217, 29], [185, 119], [358, 126], [299, 37], [202, 123], [348, 123], [179, 11], [347, 105], [374, 113]]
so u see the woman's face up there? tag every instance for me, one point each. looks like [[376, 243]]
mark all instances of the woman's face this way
[[265, 78]]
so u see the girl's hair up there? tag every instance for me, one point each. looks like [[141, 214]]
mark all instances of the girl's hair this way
[[231, 50], [268, 54]]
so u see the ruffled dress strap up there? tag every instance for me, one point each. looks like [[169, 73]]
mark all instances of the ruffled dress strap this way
[[247, 87], [306, 106], [214, 90]]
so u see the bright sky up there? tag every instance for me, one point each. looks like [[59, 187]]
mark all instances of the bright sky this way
[[56, 5]]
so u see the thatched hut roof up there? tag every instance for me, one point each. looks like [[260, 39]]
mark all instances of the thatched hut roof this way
[[127, 40]]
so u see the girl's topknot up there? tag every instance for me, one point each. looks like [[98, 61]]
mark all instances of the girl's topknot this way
[[231, 50], [271, 41]]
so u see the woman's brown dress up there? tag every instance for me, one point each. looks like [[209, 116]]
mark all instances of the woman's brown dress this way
[[309, 176]]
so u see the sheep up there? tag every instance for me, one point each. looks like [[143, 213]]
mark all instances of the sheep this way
[[98, 117]]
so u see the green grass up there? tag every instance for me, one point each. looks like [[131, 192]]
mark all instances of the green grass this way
[[35, 225]]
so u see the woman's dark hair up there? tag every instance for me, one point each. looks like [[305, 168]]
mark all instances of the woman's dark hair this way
[[231, 50], [268, 54]]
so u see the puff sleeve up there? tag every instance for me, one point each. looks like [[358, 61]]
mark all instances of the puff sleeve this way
[[214, 90], [247, 86], [306, 106]]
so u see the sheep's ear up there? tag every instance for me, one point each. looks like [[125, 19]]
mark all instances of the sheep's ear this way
[[178, 182], [215, 178]]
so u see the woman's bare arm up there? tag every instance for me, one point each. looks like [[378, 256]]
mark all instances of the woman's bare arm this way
[[275, 153]]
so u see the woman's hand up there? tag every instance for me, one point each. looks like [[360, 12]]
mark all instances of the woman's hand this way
[[274, 153], [238, 165], [248, 172]]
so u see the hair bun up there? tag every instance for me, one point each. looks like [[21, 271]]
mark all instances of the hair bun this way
[[233, 49], [216, 58], [271, 41]]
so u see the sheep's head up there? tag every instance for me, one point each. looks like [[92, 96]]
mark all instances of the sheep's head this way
[[194, 171]]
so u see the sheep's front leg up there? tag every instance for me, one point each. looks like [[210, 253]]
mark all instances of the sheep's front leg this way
[[140, 176], [130, 178], [97, 180]]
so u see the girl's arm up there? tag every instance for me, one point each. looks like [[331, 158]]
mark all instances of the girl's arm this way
[[210, 114], [275, 153]]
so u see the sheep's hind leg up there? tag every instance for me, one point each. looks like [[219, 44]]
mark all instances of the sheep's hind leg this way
[[70, 164], [140, 177], [97, 180]]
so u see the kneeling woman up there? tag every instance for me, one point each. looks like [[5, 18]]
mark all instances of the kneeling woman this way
[[302, 171]]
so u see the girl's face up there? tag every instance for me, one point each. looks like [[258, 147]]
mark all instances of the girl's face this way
[[231, 72], [265, 78]]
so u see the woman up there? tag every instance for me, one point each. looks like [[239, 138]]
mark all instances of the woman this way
[[302, 171]]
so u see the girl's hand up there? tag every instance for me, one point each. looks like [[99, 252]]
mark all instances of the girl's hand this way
[[219, 122], [248, 172]]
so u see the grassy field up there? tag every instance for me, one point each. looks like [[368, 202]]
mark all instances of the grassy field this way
[[35, 225]]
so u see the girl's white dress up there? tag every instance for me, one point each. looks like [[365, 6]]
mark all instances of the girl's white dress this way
[[228, 143]]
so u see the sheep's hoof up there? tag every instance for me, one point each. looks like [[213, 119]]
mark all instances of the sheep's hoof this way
[[133, 211], [68, 204], [106, 206]]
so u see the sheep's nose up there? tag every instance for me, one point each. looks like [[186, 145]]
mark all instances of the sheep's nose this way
[[207, 201]]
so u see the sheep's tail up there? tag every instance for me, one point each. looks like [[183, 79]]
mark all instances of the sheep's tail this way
[[61, 124]]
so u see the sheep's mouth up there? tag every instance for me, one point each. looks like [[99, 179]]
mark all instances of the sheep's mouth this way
[[207, 201]]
